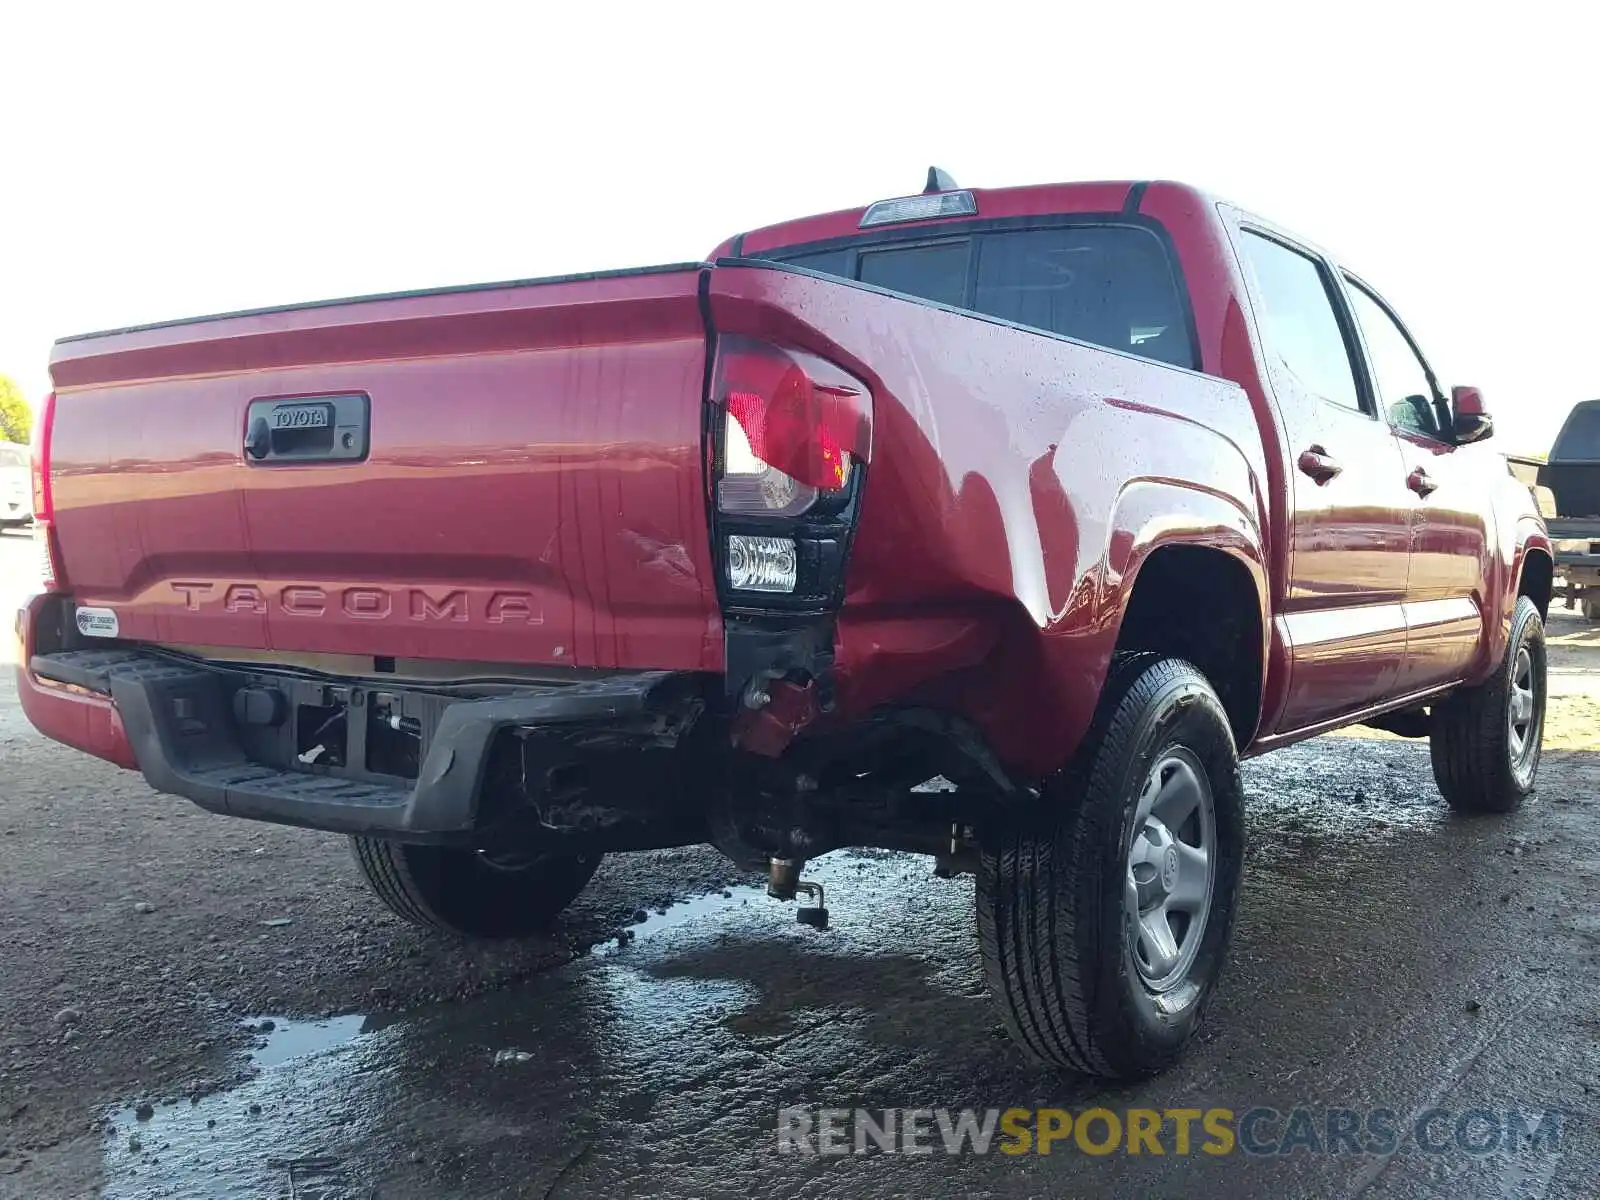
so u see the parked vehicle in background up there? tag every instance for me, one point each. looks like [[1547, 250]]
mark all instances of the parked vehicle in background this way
[[1061, 498], [1572, 474], [1524, 469], [16, 491]]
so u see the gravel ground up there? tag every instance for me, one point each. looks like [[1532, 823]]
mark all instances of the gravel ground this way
[[137, 933]]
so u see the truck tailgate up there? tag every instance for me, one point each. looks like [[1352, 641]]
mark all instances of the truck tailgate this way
[[532, 489]]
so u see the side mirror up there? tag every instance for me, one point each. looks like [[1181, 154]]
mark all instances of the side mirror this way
[[1470, 420]]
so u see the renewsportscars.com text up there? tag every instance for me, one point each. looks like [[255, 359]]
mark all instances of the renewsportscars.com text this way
[[1258, 1131]]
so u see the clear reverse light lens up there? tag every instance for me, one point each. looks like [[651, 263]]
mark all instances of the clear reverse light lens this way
[[920, 208], [761, 564]]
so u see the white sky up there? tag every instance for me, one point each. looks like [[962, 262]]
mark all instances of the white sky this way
[[163, 161]]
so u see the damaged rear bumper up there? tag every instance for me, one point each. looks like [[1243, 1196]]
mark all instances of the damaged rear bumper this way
[[182, 724]]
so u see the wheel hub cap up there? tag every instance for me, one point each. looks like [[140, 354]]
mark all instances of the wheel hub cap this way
[[1171, 870], [1523, 711]]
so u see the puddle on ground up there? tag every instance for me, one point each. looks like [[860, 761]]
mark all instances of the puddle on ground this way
[[661, 920], [287, 1040], [257, 1140], [329, 1083]]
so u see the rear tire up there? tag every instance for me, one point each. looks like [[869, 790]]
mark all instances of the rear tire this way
[[1591, 608], [1072, 899], [1486, 740], [463, 892]]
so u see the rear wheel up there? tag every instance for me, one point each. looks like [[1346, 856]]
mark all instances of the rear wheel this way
[[1105, 917], [469, 892], [1486, 740], [1591, 608]]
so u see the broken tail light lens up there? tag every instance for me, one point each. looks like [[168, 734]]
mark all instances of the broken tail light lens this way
[[794, 426]]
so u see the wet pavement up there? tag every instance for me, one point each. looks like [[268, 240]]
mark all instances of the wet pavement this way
[[1388, 956]]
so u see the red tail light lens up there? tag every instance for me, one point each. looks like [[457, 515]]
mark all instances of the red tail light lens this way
[[44, 504], [42, 491], [796, 424]]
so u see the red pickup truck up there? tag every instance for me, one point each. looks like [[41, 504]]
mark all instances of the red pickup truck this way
[[990, 524]]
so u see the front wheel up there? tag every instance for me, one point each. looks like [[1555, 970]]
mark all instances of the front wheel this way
[[470, 892], [1105, 917], [1486, 740]]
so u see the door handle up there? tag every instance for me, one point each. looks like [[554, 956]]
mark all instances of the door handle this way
[[1419, 482], [1316, 463]]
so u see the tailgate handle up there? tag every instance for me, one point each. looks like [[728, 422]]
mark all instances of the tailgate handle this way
[[307, 429]]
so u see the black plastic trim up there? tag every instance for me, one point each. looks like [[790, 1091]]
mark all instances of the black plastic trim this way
[[188, 742]]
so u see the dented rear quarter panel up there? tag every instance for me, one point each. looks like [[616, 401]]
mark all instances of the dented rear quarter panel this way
[[1018, 481]]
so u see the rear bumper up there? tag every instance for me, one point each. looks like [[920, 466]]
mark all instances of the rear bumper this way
[[175, 723], [78, 717], [1575, 542]]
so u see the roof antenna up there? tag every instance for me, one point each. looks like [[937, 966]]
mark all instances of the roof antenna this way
[[939, 180]]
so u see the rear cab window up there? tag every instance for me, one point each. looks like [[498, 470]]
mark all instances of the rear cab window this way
[[1579, 440], [1108, 284]]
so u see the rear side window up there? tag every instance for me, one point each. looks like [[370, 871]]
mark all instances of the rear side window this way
[[1579, 439], [1303, 337], [829, 262], [937, 273], [1112, 285]]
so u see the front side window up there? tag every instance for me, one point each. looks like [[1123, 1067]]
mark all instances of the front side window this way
[[1302, 333], [1404, 390], [1112, 285]]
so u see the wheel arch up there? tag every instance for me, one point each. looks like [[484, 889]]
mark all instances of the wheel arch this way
[[1215, 573], [1536, 578]]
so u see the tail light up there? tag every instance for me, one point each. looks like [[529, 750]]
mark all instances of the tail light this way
[[794, 426], [795, 433], [44, 507]]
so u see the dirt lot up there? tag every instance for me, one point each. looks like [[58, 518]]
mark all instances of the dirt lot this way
[[1388, 954]]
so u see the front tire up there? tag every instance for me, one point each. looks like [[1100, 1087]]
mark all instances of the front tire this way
[[1486, 740], [1105, 917], [466, 893]]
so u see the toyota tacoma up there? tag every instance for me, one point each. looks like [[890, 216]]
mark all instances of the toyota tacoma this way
[[996, 525]]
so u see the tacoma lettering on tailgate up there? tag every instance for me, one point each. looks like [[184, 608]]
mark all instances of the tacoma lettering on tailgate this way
[[363, 601]]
